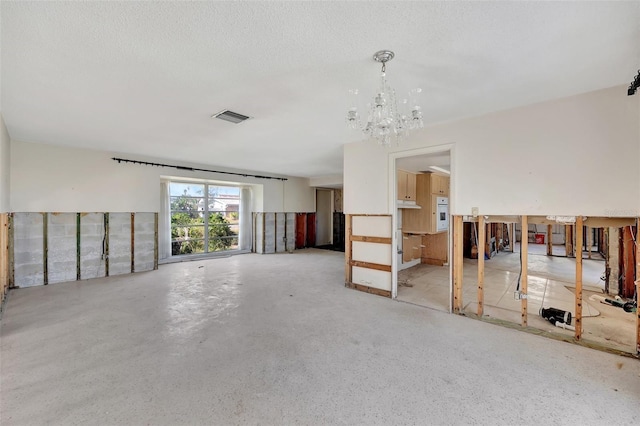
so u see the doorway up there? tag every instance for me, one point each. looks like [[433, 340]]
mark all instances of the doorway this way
[[422, 229]]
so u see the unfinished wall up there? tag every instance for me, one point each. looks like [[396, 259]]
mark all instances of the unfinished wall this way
[[274, 232], [49, 248], [5, 164], [497, 164]]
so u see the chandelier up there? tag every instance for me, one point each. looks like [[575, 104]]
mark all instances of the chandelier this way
[[384, 118]]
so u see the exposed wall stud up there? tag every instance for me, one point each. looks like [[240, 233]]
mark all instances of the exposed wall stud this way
[[133, 234], [347, 250], [45, 247], [549, 240], [637, 290], [524, 247], [264, 231], [481, 243], [155, 246], [579, 229], [78, 268], [106, 244], [457, 263], [12, 263], [568, 241]]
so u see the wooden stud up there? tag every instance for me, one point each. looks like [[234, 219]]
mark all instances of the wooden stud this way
[[549, 240], [512, 237], [133, 237], [264, 232], [457, 263], [568, 241], [524, 246], [579, 229], [380, 240], [4, 255], [155, 246], [347, 250], [589, 240], [275, 232], [12, 263], [637, 291], [481, 242], [78, 265], [106, 244], [371, 290], [45, 247], [370, 265]]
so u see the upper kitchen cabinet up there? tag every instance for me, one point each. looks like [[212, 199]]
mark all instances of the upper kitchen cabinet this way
[[406, 186], [439, 185]]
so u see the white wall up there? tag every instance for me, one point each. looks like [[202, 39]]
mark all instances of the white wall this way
[[55, 178], [5, 175], [500, 162]]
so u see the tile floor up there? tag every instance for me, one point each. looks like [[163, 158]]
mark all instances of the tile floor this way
[[551, 283]]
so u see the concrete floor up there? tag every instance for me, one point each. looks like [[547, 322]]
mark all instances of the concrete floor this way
[[278, 339], [551, 283]]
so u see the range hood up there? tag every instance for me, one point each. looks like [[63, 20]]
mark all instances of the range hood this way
[[401, 204]]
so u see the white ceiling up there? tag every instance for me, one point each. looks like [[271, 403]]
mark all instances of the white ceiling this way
[[143, 78]]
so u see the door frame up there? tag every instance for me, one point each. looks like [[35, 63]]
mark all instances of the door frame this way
[[393, 188]]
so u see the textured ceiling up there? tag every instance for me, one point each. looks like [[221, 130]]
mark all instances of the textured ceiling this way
[[144, 78]]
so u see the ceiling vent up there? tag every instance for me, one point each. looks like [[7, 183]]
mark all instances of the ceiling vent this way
[[231, 116]]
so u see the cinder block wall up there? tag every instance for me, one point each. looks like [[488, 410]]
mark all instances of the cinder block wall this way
[[47, 248]]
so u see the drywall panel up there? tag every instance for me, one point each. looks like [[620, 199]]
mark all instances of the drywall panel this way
[[62, 244], [498, 167], [28, 249], [371, 252], [120, 243], [92, 245], [371, 278], [5, 166], [144, 241], [371, 226]]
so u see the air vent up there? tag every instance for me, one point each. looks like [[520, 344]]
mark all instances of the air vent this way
[[231, 116]]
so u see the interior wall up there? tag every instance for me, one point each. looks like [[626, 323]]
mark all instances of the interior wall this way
[[55, 178], [5, 162], [324, 216], [575, 155]]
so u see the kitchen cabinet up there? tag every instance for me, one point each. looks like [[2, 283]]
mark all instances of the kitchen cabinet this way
[[439, 185], [411, 247], [429, 187], [406, 186]]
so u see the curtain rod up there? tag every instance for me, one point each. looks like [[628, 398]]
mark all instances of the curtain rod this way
[[193, 169]]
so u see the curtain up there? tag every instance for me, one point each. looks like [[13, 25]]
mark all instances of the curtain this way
[[164, 222], [245, 238]]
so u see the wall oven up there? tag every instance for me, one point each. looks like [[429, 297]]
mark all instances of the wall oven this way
[[442, 214]]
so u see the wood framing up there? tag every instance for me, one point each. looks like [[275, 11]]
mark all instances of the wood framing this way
[[347, 249], [568, 240], [4, 255], [524, 245], [637, 291], [78, 264], [578, 325], [549, 240], [458, 233], [369, 265], [133, 238], [380, 240], [512, 237], [481, 242], [155, 241], [45, 248], [367, 289]]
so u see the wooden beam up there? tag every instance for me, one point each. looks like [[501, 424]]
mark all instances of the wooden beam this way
[[371, 290], [481, 242], [512, 237], [579, 228], [45, 247], [457, 263], [606, 222], [132, 245], [628, 265], [370, 265], [78, 264], [4, 255], [524, 245], [106, 244], [380, 240], [637, 290], [12, 262], [568, 241], [589, 240], [347, 249], [549, 240], [501, 219]]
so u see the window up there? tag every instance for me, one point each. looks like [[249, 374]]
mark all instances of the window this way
[[204, 218]]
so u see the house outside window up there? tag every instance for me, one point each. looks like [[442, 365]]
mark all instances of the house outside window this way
[[205, 218]]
